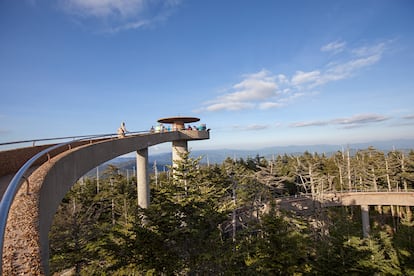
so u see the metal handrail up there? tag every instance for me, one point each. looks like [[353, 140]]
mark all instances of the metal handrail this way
[[33, 141], [16, 183], [353, 191]]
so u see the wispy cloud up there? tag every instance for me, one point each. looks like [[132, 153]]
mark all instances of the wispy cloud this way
[[334, 47], [306, 77], [268, 105], [254, 89], [408, 117], [351, 122], [407, 120], [360, 58], [253, 127], [104, 8], [309, 123], [265, 89], [360, 119], [258, 86], [120, 15], [229, 106]]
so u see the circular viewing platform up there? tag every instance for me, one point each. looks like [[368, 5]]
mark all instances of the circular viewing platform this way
[[178, 123]]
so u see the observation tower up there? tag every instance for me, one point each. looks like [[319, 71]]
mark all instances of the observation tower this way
[[180, 147]]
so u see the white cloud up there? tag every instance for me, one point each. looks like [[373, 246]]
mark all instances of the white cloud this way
[[264, 89], [309, 123], [353, 121], [376, 49], [228, 106], [409, 117], [252, 127], [305, 77], [253, 89], [268, 105], [104, 8], [360, 119], [120, 15], [282, 79], [407, 120], [361, 58], [346, 69], [128, 26], [335, 47]]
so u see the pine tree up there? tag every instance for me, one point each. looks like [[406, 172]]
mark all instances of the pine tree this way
[[77, 225], [275, 246]]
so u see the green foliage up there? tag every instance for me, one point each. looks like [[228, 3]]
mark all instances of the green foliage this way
[[403, 242], [212, 220], [75, 229], [280, 248]]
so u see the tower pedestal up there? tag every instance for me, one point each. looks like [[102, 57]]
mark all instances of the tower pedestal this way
[[366, 229], [143, 189]]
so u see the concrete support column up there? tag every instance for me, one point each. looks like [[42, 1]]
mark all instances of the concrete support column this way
[[143, 188], [366, 229], [178, 148]]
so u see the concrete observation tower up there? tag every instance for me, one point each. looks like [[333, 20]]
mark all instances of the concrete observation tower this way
[[179, 135], [178, 124]]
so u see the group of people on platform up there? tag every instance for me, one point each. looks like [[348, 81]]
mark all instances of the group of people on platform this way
[[161, 128]]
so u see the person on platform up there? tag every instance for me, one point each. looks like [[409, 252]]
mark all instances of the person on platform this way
[[122, 130]]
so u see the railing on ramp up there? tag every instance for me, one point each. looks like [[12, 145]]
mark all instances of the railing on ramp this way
[[20, 177]]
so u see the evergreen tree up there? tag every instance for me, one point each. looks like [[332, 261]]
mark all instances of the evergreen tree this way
[[279, 248], [403, 242], [76, 227], [179, 232], [220, 220]]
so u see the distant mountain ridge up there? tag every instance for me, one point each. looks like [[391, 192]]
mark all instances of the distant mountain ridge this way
[[217, 156]]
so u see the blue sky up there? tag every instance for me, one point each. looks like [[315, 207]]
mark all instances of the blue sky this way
[[258, 73]]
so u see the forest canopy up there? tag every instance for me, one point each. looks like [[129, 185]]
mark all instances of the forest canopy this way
[[223, 219]]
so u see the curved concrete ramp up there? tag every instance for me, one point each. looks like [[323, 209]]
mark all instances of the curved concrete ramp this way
[[307, 203], [370, 198], [26, 243]]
